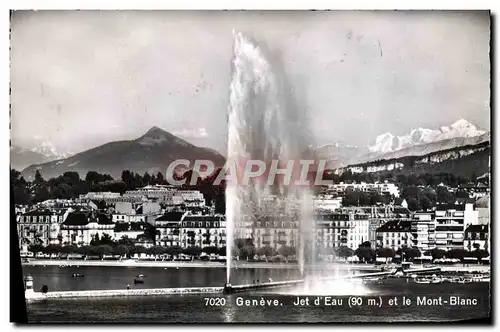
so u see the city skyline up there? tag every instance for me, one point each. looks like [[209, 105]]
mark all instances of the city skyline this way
[[95, 77]]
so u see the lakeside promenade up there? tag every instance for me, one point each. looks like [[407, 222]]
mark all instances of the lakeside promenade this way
[[235, 264]]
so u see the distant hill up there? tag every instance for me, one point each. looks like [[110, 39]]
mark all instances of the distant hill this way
[[152, 152]]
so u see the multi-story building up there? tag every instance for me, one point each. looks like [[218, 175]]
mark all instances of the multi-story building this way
[[203, 231], [99, 195], [168, 227], [483, 210], [131, 230], [40, 226], [395, 234], [327, 203], [477, 237], [183, 229], [382, 188], [160, 193], [451, 221], [80, 227], [275, 232], [423, 231]]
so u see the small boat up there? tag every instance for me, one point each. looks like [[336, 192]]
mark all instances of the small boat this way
[[78, 275], [422, 281], [436, 280], [139, 279]]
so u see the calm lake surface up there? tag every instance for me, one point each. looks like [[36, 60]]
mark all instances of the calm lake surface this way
[[228, 308]]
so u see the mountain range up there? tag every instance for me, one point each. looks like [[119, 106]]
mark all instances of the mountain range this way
[[152, 152], [156, 149], [388, 142], [417, 142]]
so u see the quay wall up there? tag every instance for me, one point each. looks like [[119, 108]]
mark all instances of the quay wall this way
[[38, 296]]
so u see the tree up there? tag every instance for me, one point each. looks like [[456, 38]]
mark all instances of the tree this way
[[265, 251], [246, 252], [151, 232], [385, 253], [192, 251], [95, 241], [146, 179], [443, 195], [36, 248], [52, 249], [222, 251], [159, 178], [174, 250], [107, 239], [408, 253], [104, 249], [286, 251], [456, 254], [121, 250], [210, 250], [140, 250], [412, 204], [366, 244], [69, 249], [480, 254], [435, 253], [365, 254], [344, 252], [125, 240]]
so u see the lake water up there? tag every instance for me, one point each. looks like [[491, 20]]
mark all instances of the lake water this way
[[228, 308]]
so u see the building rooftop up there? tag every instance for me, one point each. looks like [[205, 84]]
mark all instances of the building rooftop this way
[[477, 229], [171, 216], [83, 218], [396, 225]]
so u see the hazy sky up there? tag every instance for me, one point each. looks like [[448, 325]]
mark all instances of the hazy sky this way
[[81, 79]]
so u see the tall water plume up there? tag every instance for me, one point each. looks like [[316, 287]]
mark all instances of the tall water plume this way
[[264, 123]]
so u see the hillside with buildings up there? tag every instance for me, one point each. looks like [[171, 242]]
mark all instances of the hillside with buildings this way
[[465, 161], [361, 221]]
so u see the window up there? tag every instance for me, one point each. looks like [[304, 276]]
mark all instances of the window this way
[[207, 224], [216, 224]]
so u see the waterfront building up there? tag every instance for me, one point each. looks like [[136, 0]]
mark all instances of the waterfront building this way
[[40, 226], [395, 234], [477, 237], [483, 210], [184, 229], [81, 226], [423, 230], [168, 228], [451, 221], [203, 231], [131, 230]]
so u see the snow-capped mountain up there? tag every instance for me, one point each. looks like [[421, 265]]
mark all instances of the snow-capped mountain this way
[[49, 150], [388, 142], [36, 151]]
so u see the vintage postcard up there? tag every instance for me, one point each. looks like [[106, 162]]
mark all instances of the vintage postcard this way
[[251, 166]]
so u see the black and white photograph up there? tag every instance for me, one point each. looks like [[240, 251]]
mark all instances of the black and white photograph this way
[[250, 166]]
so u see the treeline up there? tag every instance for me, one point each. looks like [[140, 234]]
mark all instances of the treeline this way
[[123, 247], [366, 254], [71, 186]]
